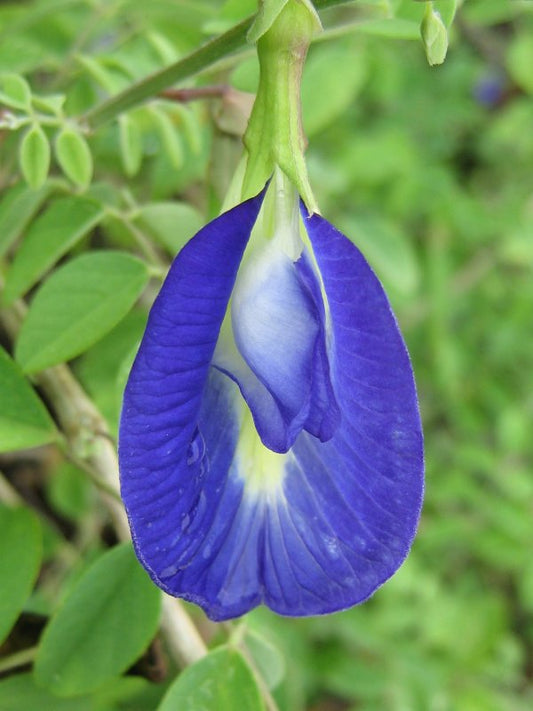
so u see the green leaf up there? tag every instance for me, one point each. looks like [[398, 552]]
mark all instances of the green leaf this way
[[388, 250], [15, 92], [20, 558], [394, 28], [17, 209], [35, 156], [69, 491], [190, 126], [131, 147], [519, 59], [99, 73], [101, 369], [231, 12], [56, 231], [170, 138], [221, 681], [446, 9], [78, 305], [21, 693], [103, 626], [74, 156], [326, 91], [267, 657], [130, 693], [24, 420], [53, 103], [170, 223], [269, 11]]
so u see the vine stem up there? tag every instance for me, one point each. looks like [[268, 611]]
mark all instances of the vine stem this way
[[208, 54], [88, 440], [18, 659]]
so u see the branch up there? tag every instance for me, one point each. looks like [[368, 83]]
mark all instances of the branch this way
[[197, 92], [18, 659]]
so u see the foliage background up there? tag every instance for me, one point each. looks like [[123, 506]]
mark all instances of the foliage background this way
[[429, 171]]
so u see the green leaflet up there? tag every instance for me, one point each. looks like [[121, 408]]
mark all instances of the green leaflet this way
[[24, 420], [20, 558], [74, 156], [17, 208], [103, 626], [222, 680], [54, 232], [34, 156], [77, 305]]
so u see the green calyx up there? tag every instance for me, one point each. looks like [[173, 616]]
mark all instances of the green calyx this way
[[275, 134]]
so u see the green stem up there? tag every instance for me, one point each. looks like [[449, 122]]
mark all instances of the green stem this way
[[275, 135], [18, 659], [214, 50]]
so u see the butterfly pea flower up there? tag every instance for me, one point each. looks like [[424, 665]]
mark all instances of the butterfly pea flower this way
[[270, 441]]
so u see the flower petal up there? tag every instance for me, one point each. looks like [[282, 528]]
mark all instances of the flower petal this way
[[278, 357], [275, 327], [222, 520], [324, 415], [159, 438]]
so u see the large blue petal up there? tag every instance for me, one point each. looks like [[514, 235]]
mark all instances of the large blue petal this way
[[163, 472], [221, 520]]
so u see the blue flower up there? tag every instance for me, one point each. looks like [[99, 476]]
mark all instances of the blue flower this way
[[270, 441]]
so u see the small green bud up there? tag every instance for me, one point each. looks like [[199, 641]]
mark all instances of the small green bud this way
[[434, 36]]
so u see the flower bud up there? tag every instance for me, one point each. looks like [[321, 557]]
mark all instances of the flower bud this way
[[434, 36]]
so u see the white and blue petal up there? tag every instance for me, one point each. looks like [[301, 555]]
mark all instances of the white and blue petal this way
[[270, 441]]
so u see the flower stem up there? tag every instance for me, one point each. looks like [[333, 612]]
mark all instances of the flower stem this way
[[275, 134]]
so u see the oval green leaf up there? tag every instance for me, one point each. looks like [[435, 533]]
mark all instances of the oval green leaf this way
[[268, 13], [35, 156], [326, 92], [77, 305], [17, 208], [393, 27], [20, 558], [172, 224], [15, 91], [388, 250], [24, 420], [131, 147], [519, 58], [56, 231], [169, 136], [268, 659], [74, 157], [21, 693], [103, 626], [222, 680]]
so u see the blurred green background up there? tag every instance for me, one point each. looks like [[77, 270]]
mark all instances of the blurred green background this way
[[429, 170]]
